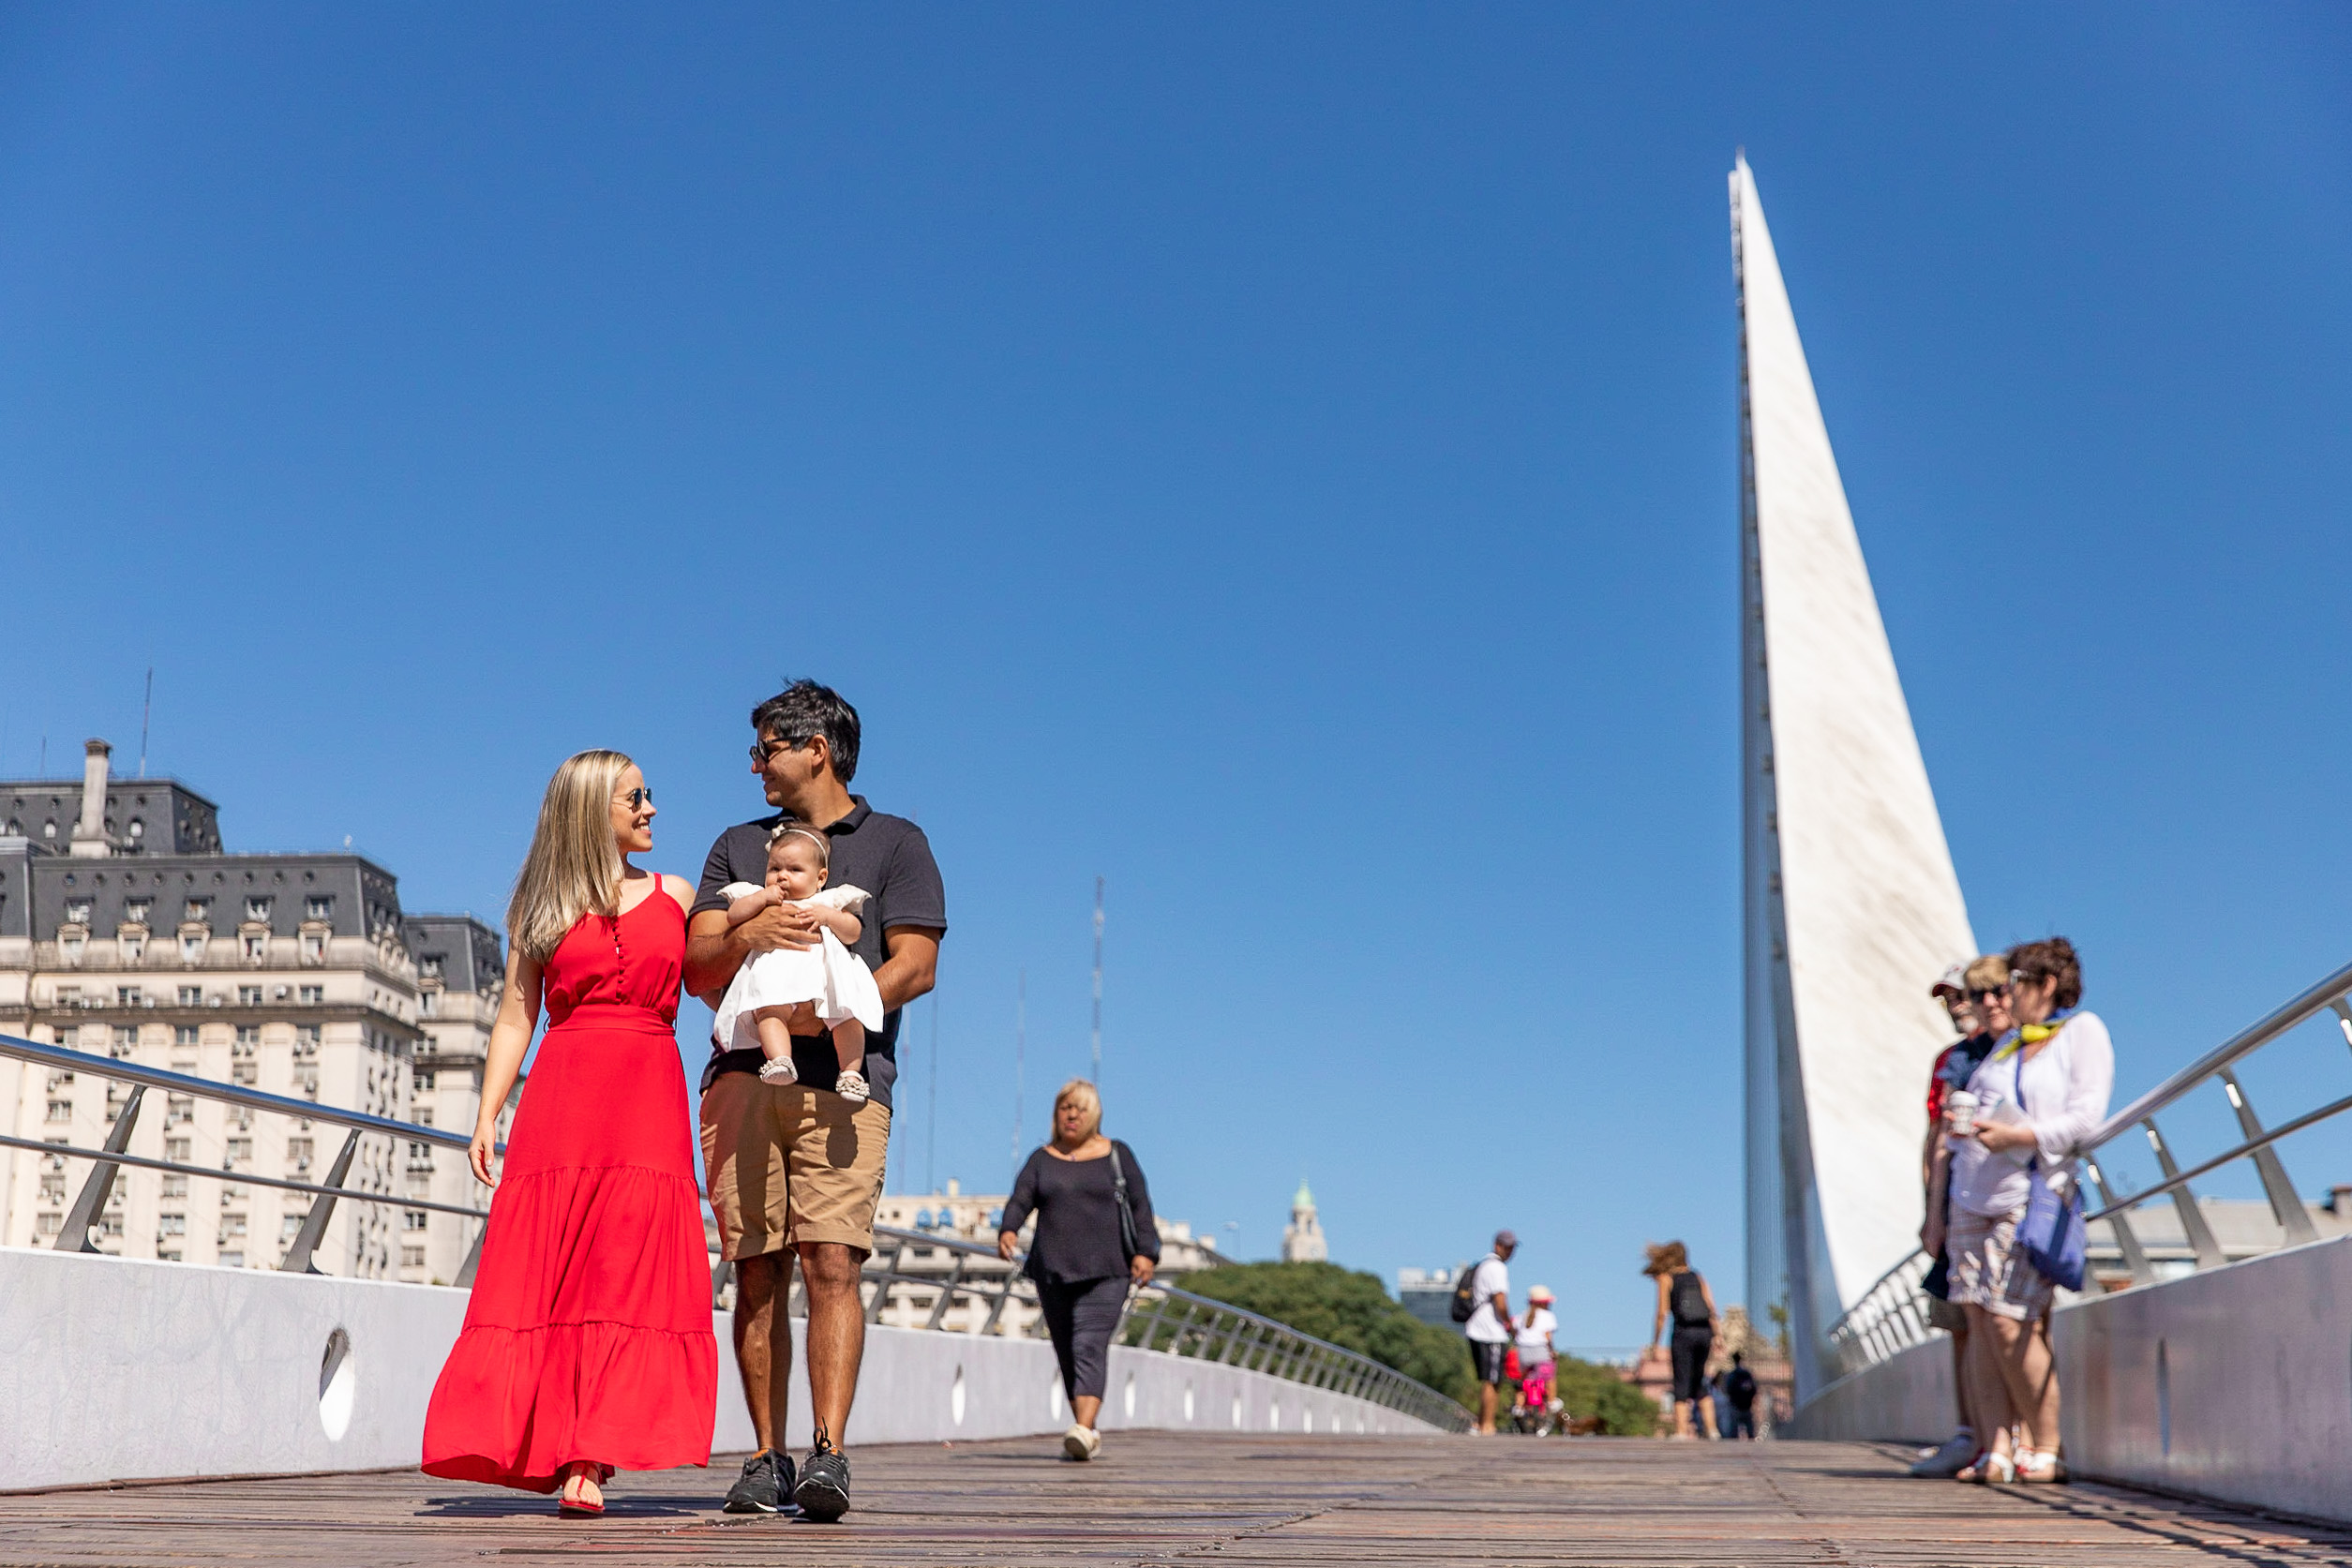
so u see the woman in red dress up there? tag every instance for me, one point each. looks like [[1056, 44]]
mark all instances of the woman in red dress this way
[[587, 1345]]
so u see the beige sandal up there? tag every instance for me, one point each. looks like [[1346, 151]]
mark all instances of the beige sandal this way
[[2041, 1465], [1990, 1470]]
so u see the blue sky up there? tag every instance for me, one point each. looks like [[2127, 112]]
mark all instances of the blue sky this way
[[1279, 459]]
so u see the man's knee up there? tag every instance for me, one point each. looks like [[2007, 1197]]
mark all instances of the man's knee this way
[[830, 1267]]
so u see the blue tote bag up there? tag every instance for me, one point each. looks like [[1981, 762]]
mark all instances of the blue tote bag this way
[[2052, 1232]]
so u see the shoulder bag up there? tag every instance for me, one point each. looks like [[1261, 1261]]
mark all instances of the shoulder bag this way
[[1127, 1213], [2051, 1232]]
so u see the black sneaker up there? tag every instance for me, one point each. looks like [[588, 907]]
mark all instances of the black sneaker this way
[[823, 1492], [766, 1486]]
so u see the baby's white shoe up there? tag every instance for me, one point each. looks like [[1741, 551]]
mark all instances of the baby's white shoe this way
[[852, 1086], [779, 1070]]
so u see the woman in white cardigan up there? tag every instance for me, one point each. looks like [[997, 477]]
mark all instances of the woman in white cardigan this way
[[2038, 1094]]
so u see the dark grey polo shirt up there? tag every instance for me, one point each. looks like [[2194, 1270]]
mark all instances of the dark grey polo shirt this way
[[888, 856]]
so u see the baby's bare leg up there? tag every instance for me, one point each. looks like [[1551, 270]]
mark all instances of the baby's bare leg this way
[[775, 1032], [849, 1045]]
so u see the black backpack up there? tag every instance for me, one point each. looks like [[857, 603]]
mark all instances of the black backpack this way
[[1465, 1303]]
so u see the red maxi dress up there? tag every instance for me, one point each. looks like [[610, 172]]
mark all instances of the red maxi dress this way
[[589, 1333]]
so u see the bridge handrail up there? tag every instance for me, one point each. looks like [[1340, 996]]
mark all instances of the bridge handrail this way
[[1892, 1314], [1228, 1334], [1200, 1326]]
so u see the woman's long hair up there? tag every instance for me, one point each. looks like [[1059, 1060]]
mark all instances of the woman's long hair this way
[[573, 867], [1668, 1257]]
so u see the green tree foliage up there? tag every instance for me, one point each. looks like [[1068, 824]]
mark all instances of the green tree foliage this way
[[1351, 1310], [1355, 1311]]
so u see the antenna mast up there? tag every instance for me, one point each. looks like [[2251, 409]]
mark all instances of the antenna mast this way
[[146, 713], [931, 1118], [1098, 982]]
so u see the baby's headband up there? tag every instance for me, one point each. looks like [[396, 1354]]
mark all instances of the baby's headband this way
[[809, 833]]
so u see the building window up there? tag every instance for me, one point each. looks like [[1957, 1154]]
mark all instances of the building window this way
[[257, 908], [428, 1004], [69, 948], [179, 1109], [125, 1039], [137, 910], [134, 949], [432, 966], [53, 1190], [110, 1225], [232, 1225], [412, 1257], [240, 1150], [178, 1148], [298, 1152], [130, 996], [198, 909], [305, 1042], [414, 1219], [68, 996], [184, 1035], [313, 996], [49, 1224], [172, 1225], [61, 1111], [318, 906], [176, 1187], [291, 1228], [256, 947], [191, 996], [192, 947], [78, 912], [314, 947], [138, 829], [249, 996], [230, 1260]]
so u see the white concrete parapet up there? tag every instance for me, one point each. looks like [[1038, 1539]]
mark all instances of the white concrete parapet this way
[[116, 1368], [2231, 1383]]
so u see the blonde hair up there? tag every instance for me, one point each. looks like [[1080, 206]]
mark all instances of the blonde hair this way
[[1669, 1257], [1078, 1089], [573, 867], [784, 830]]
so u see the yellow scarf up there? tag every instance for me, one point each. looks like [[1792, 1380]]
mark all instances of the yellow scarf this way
[[2028, 1034]]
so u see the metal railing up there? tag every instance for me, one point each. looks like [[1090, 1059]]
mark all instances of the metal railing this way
[[1892, 1314], [90, 1202], [896, 1281], [906, 1285]]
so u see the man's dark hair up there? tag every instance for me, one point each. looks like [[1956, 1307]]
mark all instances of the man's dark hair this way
[[803, 710], [1737, 1358], [2052, 958]]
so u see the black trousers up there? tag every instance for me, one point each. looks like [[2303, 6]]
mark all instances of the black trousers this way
[[1081, 1315]]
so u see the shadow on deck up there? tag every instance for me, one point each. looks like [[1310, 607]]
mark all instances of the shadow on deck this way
[[1159, 1497]]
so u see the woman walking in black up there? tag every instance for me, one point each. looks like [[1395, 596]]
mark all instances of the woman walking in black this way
[[1684, 1296], [1095, 1234]]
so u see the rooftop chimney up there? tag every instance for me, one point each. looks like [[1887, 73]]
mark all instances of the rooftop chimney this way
[[89, 834]]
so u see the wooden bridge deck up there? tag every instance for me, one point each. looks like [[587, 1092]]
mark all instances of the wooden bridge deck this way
[[1235, 1500]]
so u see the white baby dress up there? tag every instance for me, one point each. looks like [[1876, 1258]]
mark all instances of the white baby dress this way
[[828, 975]]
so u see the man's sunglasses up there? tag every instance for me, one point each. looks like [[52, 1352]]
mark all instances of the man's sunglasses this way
[[1995, 991], [762, 750]]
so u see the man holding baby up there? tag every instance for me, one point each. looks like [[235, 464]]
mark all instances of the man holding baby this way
[[795, 1168]]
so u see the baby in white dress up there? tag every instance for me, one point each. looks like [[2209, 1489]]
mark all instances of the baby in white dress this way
[[827, 980]]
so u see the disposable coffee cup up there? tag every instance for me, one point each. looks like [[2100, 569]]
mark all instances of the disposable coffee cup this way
[[1959, 1109]]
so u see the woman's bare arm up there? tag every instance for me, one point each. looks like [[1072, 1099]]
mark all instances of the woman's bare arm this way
[[1658, 1324], [510, 1038]]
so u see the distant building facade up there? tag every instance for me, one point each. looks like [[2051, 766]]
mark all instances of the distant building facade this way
[[128, 932], [1302, 1238], [1428, 1293]]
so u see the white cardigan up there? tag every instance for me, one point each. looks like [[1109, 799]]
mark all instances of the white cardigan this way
[[2063, 1091]]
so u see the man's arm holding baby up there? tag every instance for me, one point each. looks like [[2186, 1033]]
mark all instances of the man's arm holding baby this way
[[717, 948]]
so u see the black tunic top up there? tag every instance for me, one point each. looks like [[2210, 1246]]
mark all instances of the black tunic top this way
[[1077, 1209]]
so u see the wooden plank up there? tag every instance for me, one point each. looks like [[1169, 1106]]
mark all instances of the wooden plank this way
[[1164, 1497]]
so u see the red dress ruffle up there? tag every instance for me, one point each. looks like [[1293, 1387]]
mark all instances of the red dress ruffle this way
[[589, 1334]]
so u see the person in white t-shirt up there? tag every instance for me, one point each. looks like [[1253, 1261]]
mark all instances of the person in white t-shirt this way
[[1491, 1327]]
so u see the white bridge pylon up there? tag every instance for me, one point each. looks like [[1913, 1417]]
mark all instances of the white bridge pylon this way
[[1851, 907]]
